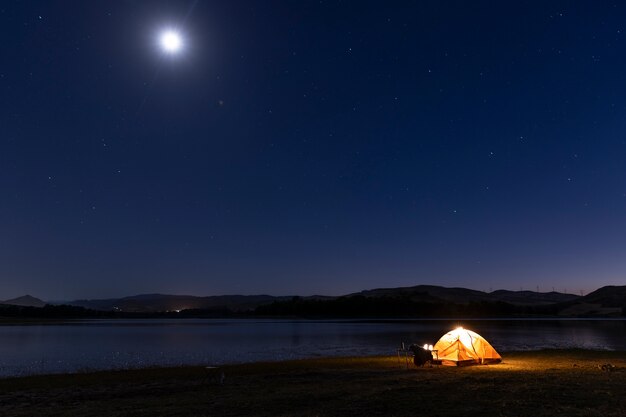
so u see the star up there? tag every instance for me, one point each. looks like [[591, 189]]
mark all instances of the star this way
[[171, 41]]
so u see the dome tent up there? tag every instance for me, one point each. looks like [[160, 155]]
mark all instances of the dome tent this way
[[464, 347]]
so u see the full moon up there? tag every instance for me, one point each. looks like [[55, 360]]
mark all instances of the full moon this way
[[171, 41]]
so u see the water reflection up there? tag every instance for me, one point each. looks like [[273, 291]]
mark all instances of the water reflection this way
[[120, 344]]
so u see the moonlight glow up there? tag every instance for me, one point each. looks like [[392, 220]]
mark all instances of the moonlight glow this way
[[171, 41]]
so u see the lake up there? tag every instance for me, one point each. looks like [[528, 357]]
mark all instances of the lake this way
[[121, 344]]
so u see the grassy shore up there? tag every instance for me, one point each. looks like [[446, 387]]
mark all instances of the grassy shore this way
[[544, 383]]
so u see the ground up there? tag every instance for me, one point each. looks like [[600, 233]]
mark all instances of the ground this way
[[546, 383]]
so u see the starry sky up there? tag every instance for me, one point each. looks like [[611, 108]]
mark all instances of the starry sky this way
[[311, 147]]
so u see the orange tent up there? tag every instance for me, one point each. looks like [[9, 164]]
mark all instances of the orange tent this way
[[464, 347]]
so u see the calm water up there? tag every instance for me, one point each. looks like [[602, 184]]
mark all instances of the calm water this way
[[115, 344]]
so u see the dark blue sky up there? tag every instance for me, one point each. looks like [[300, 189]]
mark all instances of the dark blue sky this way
[[311, 147]]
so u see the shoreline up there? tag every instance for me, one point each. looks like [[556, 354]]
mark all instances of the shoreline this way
[[533, 383], [330, 358]]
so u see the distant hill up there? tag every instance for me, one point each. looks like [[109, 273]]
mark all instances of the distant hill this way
[[428, 293], [609, 296], [150, 303], [25, 301], [532, 297], [432, 301], [463, 295], [606, 301]]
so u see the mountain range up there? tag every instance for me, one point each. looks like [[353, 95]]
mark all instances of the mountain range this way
[[150, 303], [609, 300], [435, 293], [25, 301]]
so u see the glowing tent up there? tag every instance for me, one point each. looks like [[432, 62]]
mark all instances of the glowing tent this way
[[464, 347]]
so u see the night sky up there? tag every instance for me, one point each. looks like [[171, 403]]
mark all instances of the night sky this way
[[300, 147]]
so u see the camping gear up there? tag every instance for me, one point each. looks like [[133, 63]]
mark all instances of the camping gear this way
[[465, 347], [421, 356]]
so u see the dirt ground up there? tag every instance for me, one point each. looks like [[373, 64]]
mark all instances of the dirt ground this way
[[544, 383]]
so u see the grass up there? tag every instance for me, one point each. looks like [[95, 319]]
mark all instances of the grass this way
[[544, 383]]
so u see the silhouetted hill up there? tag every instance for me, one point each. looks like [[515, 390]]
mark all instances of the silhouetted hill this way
[[434, 301], [25, 301], [531, 297], [609, 296], [463, 295], [416, 301], [149, 303], [427, 293], [605, 301]]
